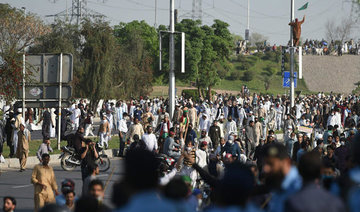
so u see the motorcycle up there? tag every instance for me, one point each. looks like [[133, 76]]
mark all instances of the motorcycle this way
[[166, 162], [70, 160]]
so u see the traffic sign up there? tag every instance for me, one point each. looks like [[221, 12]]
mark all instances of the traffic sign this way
[[46, 92], [44, 68], [286, 79], [44, 78]]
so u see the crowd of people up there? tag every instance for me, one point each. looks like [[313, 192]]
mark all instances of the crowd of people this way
[[324, 47], [230, 153], [309, 46]]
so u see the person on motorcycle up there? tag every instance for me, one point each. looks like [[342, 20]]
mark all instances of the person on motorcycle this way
[[172, 146], [78, 139]]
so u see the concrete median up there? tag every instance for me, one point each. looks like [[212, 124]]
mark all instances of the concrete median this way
[[33, 160]]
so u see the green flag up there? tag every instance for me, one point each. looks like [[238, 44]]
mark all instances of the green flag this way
[[304, 6]]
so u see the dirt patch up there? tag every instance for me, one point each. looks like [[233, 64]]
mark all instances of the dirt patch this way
[[164, 90], [331, 73]]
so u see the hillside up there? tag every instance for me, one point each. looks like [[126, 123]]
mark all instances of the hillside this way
[[261, 73], [331, 73]]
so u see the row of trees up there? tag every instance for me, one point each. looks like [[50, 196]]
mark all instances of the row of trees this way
[[112, 62]]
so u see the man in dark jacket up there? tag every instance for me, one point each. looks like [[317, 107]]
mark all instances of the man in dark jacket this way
[[191, 134], [250, 140], [214, 133], [9, 131]]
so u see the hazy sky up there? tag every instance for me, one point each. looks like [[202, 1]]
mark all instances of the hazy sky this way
[[268, 17]]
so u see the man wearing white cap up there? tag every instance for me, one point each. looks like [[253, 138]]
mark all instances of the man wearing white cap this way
[[230, 127], [192, 115], [204, 123], [279, 112], [222, 126], [242, 115], [271, 118]]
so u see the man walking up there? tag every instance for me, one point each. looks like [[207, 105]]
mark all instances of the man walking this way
[[135, 129], [250, 140], [123, 129], [104, 131], [258, 129], [44, 181], [214, 134], [22, 151], [46, 123]]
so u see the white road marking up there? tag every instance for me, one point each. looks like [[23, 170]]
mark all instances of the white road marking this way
[[22, 186]]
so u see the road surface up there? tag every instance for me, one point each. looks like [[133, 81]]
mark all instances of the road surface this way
[[17, 184]]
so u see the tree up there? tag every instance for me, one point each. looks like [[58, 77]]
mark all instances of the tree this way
[[64, 38], [208, 76], [339, 32], [257, 40], [17, 32], [208, 50], [134, 61], [267, 75], [98, 60]]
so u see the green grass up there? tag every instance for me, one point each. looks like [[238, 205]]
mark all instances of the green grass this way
[[34, 145], [257, 64]]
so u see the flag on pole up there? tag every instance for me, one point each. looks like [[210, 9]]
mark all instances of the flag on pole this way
[[304, 6]]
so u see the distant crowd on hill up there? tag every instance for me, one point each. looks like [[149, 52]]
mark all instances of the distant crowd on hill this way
[[314, 47], [324, 47]]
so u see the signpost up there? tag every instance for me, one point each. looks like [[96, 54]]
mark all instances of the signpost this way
[[287, 79], [49, 83]]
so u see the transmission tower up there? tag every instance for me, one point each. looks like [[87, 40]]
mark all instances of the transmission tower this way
[[76, 12], [197, 10]]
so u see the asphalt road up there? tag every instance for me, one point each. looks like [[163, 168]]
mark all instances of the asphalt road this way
[[17, 184]]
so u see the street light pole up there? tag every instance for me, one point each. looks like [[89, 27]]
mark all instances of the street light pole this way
[[292, 48], [172, 60], [247, 31], [23, 81]]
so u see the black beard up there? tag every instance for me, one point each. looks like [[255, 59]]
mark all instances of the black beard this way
[[274, 181]]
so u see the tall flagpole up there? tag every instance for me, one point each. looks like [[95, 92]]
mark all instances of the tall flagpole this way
[[172, 60], [292, 48]]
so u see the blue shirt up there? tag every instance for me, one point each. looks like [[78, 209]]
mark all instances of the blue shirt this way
[[149, 201], [247, 208], [290, 185], [299, 154], [354, 193], [60, 199], [137, 114]]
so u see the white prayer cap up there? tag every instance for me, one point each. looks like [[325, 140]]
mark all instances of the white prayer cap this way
[[319, 137]]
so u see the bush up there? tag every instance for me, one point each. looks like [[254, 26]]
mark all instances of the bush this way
[[194, 94], [235, 75], [272, 56], [245, 66], [248, 75], [241, 58]]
